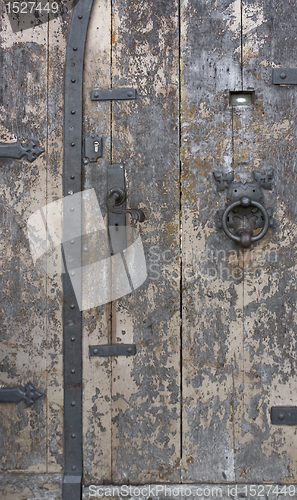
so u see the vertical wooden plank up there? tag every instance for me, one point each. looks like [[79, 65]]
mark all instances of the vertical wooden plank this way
[[23, 190], [145, 137], [97, 327], [212, 269], [266, 138]]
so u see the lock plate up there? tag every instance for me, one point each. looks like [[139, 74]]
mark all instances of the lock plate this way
[[15, 394], [117, 222], [92, 147]]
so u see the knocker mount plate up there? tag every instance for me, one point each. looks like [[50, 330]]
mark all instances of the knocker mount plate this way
[[245, 220]]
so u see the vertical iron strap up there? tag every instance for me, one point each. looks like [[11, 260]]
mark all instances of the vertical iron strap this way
[[72, 316]]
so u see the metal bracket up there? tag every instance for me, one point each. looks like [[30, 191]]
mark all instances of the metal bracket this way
[[284, 76], [92, 147], [113, 350], [284, 415], [29, 394], [72, 316], [30, 149], [113, 94]]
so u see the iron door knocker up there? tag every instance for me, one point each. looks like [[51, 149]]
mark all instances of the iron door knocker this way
[[244, 212]]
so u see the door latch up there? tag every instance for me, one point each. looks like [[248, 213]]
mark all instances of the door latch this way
[[116, 198], [245, 213]]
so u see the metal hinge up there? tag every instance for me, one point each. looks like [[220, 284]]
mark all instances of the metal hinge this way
[[15, 394], [17, 150], [113, 350]]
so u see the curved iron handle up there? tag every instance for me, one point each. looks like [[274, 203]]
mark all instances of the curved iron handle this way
[[115, 198], [245, 238]]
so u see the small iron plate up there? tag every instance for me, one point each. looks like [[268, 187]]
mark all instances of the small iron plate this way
[[113, 350], [284, 76], [284, 415]]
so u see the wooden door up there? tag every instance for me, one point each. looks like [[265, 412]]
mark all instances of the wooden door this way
[[238, 307], [213, 324]]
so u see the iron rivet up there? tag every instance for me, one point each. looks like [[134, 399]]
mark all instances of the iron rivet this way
[[86, 161], [129, 349], [80, 16], [72, 177], [72, 112], [72, 274], [73, 436], [72, 306], [130, 94], [283, 76], [72, 242], [73, 80], [95, 351], [73, 144], [72, 371], [70, 192], [86, 249], [245, 201], [73, 403], [71, 209], [72, 339], [281, 416], [92, 136], [75, 49], [96, 94], [73, 467]]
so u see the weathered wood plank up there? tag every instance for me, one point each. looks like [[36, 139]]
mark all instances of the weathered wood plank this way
[[145, 136], [265, 136], [212, 270], [23, 189], [97, 326]]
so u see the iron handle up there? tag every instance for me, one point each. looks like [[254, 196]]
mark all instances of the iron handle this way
[[245, 238], [116, 197]]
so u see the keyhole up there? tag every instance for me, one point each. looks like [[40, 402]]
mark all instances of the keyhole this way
[[96, 146]]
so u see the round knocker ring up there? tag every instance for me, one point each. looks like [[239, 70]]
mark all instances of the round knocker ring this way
[[246, 238]]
